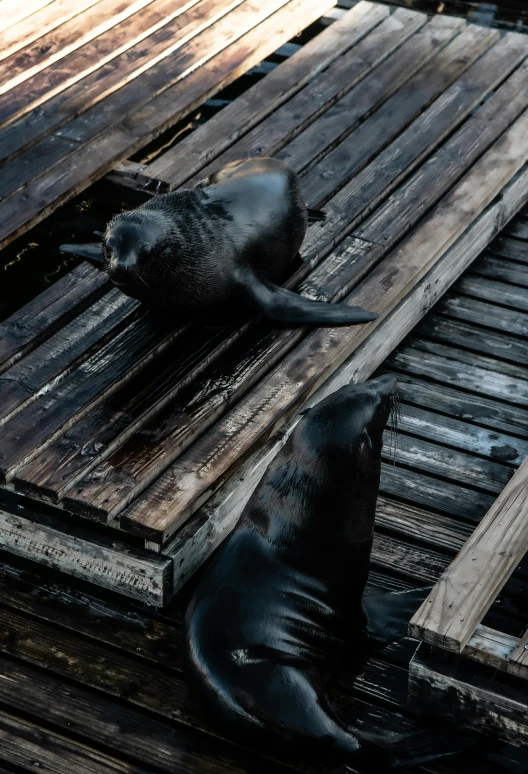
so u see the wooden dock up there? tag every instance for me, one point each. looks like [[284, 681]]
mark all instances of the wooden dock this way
[[127, 451]]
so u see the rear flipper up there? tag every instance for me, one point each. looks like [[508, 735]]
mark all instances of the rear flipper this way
[[388, 614], [91, 252], [389, 752], [283, 306]]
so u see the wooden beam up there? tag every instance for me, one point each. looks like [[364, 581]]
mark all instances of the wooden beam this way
[[466, 591], [518, 663], [457, 691], [213, 521], [124, 569]]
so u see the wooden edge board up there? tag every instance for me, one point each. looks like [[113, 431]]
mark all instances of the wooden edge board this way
[[125, 570], [215, 519], [467, 589], [493, 648], [187, 484], [453, 690], [518, 662], [13, 11]]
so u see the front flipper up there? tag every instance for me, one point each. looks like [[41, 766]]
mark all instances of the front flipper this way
[[283, 306], [90, 251], [388, 752], [388, 614]]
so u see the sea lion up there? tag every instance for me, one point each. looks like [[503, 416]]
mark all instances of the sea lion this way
[[281, 605], [219, 247]]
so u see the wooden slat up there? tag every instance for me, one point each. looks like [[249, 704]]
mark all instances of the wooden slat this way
[[38, 319], [467, 589], [518, 662], [53, 360], [502, 270], [48, 18], [516, 371], [24, 744], [142, 576], [102, 65], [209, 140], [116, 483], [468, 698], [489, 290], [252, 36], [515, 249], [13, 11], [323, 351], [210, 524], [518, 229], [470, 337], [491, 647], [486, 315], [352, 75]]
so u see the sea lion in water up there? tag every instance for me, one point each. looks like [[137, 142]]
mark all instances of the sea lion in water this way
[[281, 605], [218, 248]]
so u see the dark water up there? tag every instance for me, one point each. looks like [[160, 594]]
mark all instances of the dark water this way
[[34, 261]]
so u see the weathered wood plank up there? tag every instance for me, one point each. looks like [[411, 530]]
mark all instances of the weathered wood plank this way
[[58, 304], [421, 525], [518, 662], [323, 351], [502, 270], [489, 290], [432, 79], [142, 576], [38, 24], [250, 40], [460, 599], [478, 410], [491, 647], [53, 360], [514, 249], [101, 374], [213, 521], [353, 73], [23, 744], [212, 138], [518, 228], [13, 12], [458, 692], [482, 313], [470, 337]]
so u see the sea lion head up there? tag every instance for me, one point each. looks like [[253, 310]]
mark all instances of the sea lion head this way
[[346, 428], [131, 243]]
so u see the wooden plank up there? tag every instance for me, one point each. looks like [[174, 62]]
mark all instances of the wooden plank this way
[[53, 308], [352, 72], [518, 228], [465, 592], [461, 435], [24, 744], [248, 43], [516, 371], [478, 410], [469, 336], [433, 79], [491, 647], [92, 718], [511, 322], [104, 64], [259, 101], [130, 571], [502, 270], [323, 351], [57, 44], [46, 19], [506, 247], [101, 374], [464, 696], [421, 525], [53, 360], [450, 371], [490, 290], [13, 11], [213, 521], [518, 661]]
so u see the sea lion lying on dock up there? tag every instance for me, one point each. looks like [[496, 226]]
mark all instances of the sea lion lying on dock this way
[[281, 605], [217, 248]]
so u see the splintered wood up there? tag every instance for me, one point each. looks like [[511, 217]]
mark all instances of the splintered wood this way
[[411, 133]]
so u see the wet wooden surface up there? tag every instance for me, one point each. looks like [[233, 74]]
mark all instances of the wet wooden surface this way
[[85, 84]]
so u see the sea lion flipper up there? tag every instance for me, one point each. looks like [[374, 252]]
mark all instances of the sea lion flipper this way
[[388, 614], [90, 251], [284, 306]]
